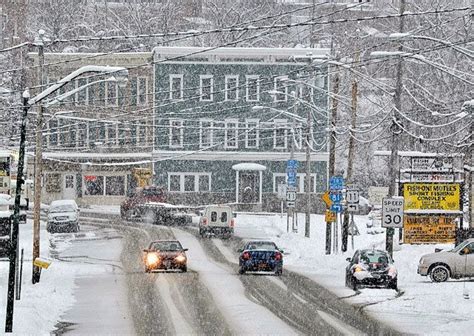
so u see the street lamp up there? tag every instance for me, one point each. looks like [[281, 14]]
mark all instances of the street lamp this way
[[120, 74]]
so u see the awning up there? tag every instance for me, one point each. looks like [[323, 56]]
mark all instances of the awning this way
[[249, 166]]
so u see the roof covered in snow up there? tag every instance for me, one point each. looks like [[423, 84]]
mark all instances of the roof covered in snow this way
[[249, 166]]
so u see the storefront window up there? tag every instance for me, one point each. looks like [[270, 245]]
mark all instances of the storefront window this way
[[93, 185], [115, 185], [188, 183], [53, 183]]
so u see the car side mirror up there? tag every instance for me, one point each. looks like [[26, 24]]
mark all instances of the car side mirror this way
[[146, 250], [348, 259], [185, 249], [438, 250], [240, 250]]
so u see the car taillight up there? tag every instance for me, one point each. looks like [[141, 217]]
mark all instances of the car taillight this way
[[232, 223], [204, 221], [246, 256], [277, 256]]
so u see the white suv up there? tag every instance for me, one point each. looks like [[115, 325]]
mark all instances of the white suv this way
[[456, 263], [63, 216]]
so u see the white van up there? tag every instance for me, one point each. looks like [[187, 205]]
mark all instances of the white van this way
[[217, 220]]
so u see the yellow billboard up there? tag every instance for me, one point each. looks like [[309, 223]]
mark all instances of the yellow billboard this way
[[432, 196], [429, 229]]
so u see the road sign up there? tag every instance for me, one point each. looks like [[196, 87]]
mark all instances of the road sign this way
[[330, 216], [335, 197], [290, 196], [292, 164], [352, 196], [282, 187], [352, 207], [42, 262], [336, 183], [336, 207], [291, 177], [392, 212], [290, 204], [326, 199]]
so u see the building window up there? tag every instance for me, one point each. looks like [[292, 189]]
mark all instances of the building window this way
[[100, 101], [142, 138], [231, 88], [112, 94], [81, 96], [96, 185], [205, 133], [252, 133], [53, 132], [93, 185], [280, 134], [176, 133], [231, 135], [115, 185], [142, 90], [112, 134], [69, 181], [281, 88], [252, 88], [52, 182], [279, 178], [189, 182], [206, 87], [176, 87], [82, 134]]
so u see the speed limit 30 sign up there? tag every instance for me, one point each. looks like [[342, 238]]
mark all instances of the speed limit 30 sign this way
[[392, 212]]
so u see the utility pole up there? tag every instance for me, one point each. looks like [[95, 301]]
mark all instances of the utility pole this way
[[350, 160], [16, 219], [38, 162], [393, 164], [309, 145]]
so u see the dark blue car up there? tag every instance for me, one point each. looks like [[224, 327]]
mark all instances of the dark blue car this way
[[259, 256]]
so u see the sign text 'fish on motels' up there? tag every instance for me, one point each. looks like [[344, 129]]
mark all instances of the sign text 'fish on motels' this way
[[432, 196]]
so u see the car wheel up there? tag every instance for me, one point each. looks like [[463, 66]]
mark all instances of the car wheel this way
[[241, 270], [392, 284], [147, 270], [354, 284], [278, 272], [439, 273], [184, 269]]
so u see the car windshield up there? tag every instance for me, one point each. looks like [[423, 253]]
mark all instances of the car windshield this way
[[152, 192], [374, 256], [62, 208], [166, 246], [459, 247], [261, 246]]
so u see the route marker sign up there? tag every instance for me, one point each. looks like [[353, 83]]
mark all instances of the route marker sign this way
[[291, 196], [392, 212], [336, 207], [336, 183], [352, 196]]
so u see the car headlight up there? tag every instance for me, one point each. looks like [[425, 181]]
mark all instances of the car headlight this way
[[152, 259], [180, 259], [358, 269]]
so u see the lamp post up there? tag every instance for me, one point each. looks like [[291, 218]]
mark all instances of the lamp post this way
[[120, 74], [16, 214]]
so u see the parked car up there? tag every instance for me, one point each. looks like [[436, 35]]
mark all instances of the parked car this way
[[259, 256], [63, 216], [166, 255], [371, 267], [456, 263], [217, 220], [129, 207]]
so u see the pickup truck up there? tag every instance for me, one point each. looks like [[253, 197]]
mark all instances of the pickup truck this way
[[129, 209]]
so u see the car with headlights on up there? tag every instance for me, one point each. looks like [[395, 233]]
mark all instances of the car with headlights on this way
[[165, 255], [258, 256], [371, 268], [455, 263]]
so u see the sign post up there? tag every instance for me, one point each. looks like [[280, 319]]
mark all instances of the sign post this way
[[290, 194], [336, 184], [330, 218]]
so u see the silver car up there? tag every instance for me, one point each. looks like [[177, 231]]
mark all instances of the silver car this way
[[456, 263]]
